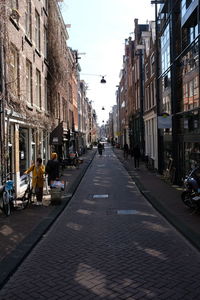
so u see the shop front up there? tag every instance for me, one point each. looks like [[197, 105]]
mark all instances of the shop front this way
[[188, 140], [61, 140]]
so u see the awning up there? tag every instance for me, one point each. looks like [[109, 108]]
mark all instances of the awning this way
[[56, 136]]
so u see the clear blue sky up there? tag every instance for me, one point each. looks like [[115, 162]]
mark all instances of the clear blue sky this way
[[99, 28]]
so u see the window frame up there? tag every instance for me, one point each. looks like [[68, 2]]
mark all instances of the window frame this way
[[29, 81], [28, 19], [37, 31]]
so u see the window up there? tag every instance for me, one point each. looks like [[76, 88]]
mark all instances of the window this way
[[38, 89], [196, 86], [65, 110], [37, 30], [57, 106], [45, 42], [46, 95], [152, 94], [154, 91], [71, 119], [146, 72], [14, 4], [185, 5], [29, 97], [14, 70], [46, 5], [70, 92], [152, 59], [146, 99], [165, 49], [193, 33], [28, 23], [191, 88]]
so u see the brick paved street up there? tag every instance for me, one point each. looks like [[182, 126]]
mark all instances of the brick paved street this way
[[20, 231], [109, 243]]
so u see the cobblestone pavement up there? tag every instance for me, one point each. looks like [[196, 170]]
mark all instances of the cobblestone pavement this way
[[165, 197], [109, 243], [20, 231]]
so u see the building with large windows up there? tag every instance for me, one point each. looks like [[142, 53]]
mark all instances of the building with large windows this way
[[179, 83]]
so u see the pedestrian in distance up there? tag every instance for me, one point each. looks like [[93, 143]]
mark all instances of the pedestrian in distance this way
[[52, 168], [100, 148], [136, 154], [126, 149], [38, 171]]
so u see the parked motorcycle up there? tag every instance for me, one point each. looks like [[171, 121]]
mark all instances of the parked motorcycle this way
[[191, 194]]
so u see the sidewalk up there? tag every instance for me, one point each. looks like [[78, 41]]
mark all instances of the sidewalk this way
[[165, 198], [22, 230]]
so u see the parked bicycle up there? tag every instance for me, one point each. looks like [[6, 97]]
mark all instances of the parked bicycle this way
[[72, 160], [8, 195], [28, 195]]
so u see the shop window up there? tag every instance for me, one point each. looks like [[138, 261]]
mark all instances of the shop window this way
[[192, 155], [23, 150], [33, 146]]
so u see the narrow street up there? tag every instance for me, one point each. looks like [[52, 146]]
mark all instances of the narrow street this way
[[109, 243]]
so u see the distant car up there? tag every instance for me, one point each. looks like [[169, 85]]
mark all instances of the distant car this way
[[103, 139]]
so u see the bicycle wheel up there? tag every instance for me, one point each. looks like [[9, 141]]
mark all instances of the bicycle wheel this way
[[26, 198], [6, 203]]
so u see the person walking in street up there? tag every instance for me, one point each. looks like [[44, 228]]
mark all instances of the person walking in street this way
[[38, 171], [52, 168], [100, 148], [136, 154], [126, 149]]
